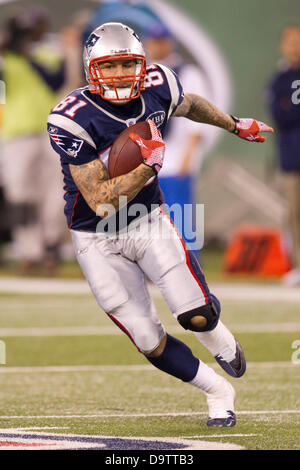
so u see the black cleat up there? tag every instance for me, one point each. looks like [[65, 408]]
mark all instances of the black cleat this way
[[227, 422], [237, 367]]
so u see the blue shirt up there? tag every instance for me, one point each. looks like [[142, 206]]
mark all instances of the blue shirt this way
[[83, 127], [286, 115]]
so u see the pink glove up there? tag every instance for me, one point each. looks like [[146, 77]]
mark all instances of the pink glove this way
[[248, 129], [153, 150]]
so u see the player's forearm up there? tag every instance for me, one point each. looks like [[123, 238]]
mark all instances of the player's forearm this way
[[102, 193], [198, 109], [128, 185], [92, 180]]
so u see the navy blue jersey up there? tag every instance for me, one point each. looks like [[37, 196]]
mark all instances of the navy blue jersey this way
[[286, 115], [83, 127]]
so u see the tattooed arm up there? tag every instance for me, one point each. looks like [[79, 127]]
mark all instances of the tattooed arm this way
[[198, 109], [98, 190]]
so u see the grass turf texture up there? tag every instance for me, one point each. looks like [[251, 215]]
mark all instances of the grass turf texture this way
[[271, 382], [117, 393], [114, 349]]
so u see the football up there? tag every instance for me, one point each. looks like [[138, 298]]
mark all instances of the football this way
[[125, 155]]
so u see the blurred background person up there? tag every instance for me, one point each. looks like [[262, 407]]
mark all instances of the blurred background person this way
[[184, 139], [5, 223], [71, 45], [286, 114], [34, 73], [5, 228]]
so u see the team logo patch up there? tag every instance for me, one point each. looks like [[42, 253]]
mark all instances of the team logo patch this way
[[26, 440], [158, 117], [68, 144], [93, 38]]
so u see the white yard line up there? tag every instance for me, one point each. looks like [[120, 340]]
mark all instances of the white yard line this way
[[256, 292], [108, 368], [145, 415], [226, 291], [113, 330], [124, 368], [60, 331], [33, 428], [43, 286], [266, 327], [213, 435], [36, 428]]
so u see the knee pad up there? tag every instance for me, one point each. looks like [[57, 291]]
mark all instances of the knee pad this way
[[209, 312], [216, 302]]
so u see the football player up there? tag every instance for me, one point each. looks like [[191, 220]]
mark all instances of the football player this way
[[122, 91]]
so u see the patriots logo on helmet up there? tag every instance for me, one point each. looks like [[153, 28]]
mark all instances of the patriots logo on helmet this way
[[93, 38], [68, 144], [136, 36]]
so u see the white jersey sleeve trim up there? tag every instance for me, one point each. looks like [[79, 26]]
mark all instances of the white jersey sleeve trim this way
[[173, 86], [71, 126]]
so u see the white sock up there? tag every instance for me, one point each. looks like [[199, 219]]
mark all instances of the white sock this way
[[219, 341], [205, 377]]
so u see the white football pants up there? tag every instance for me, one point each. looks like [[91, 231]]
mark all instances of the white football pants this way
[[116, 267]]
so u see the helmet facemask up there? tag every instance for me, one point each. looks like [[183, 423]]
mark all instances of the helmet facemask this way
[[117, 88]]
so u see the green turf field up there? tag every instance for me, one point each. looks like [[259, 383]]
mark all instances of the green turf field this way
[[69, 370]]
